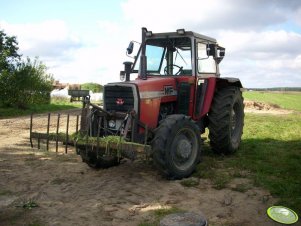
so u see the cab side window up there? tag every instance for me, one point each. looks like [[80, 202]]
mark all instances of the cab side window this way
[[206, 64]]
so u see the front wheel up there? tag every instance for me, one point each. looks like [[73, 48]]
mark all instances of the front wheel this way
[[90, 157], [176, 146], [226, 120]]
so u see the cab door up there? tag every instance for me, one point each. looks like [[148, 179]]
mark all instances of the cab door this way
[[206, 69]]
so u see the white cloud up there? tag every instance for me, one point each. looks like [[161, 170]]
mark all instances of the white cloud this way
[[260, 50], [210, 15], [262, 59], [109, 27], [99, 59], [255, 52], [261, 45], [297, 16], [96, 57], [48, 38]]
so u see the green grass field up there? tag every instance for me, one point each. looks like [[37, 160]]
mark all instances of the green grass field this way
[[55, 105], [271, 154], [287, 100], [270, 151]]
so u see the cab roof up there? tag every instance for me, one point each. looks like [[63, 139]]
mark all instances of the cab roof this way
[[186, 34]]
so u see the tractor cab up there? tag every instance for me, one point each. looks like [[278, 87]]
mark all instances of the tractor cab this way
[[180, 53], [179, 70]]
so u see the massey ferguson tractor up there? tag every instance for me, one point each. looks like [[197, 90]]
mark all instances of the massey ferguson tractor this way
[[161, 113]]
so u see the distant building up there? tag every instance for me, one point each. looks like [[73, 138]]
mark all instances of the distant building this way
[[57, 85]]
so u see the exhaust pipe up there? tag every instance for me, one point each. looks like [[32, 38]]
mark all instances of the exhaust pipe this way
[[143, 59], [127, 70]]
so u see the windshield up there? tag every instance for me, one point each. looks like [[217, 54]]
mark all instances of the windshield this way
[[167, 56]]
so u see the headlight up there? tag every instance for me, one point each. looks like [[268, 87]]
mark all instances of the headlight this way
[[112, 124]]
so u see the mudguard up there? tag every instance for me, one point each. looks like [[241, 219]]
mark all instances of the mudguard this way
[[228, 81]]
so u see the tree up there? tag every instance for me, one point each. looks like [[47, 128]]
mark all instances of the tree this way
[[94, 87], [9, 56], [22, 82], [28, 84]]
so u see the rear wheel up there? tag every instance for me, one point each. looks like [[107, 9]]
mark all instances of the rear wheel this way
[[176, 146], [226, 120]]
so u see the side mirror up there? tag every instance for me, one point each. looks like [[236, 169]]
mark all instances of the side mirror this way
[[130, 48], [211, 50], [220, 52]]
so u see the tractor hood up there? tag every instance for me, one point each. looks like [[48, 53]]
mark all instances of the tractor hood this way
[[156, 87], [153, 87], [144, 96]]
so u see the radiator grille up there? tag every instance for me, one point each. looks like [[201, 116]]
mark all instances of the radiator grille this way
[[118, 94]]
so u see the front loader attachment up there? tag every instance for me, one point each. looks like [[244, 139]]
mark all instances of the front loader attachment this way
[[94, 141], [54, 128]]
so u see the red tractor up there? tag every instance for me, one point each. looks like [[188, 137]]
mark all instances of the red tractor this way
[[177, 94]]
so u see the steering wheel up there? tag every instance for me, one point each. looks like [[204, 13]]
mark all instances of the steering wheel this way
[[172, 66]]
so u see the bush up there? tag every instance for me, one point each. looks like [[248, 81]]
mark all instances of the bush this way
[[94, 87], [27, 84], [21, 82]]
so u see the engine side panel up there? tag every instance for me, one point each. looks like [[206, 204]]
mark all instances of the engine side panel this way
[[152, 93], [149, 109]]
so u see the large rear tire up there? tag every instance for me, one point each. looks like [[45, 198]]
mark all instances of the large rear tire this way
[[176, 146], [226, 120]]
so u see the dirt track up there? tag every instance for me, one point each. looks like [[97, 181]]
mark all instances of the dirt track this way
[[68, 192]]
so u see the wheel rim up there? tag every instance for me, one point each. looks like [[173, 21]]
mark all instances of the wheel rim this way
[[184, 149]]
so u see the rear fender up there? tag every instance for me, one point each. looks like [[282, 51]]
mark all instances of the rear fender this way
[[228, 81], [212, 85]]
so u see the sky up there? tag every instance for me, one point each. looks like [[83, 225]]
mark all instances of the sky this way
[[85, 41]]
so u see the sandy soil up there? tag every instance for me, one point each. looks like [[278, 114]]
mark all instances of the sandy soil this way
[[264, 108], [68, 192]]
